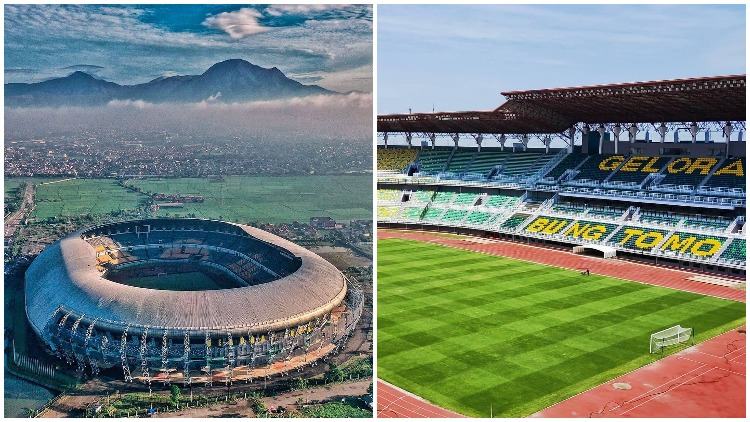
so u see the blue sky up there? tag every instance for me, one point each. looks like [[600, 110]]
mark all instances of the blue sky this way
[[326, 45], [461, 57]]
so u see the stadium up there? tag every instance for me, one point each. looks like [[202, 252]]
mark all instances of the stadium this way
[[490, 220], [187, 300]]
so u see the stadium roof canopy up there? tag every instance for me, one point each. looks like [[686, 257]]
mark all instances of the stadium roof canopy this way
[[718, 98]]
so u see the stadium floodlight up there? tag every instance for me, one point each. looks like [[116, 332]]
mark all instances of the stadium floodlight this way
[[670, 336]]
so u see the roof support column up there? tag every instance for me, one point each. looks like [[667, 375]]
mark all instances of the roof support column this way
[[694, 131], [662, 132], [585, 130], [572, 136], [547, 140], [478, 138], [525, 141], [455, 138], [385, 139], [632, 131], [616, 131], [601, 131], [409, 136], [727, 133], [432, 140], [502, 140]]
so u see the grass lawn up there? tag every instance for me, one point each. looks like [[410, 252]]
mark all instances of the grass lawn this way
[[281, 199], [465, 330], [83, 196], [192, 281]]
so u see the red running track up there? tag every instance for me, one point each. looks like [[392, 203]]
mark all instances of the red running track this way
[[707, 380], [394, 402]]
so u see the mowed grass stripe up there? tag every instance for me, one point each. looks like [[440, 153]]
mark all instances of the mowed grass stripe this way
[[465, 330]]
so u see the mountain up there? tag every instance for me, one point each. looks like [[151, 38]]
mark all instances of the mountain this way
[[228, 81]]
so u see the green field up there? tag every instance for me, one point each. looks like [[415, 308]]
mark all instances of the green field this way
[[240, 198], [192, 281], [467, 331], [83, 196], [270, 199]]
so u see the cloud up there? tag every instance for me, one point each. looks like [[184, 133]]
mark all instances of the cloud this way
[[239, 24], [23, 71], [302, 119], [137, 45], [301, 9]]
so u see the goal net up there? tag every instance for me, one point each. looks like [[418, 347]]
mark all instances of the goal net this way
[[668, 337]]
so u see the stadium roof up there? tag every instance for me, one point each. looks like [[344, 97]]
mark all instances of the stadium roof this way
[[64, 275], [718, 98]]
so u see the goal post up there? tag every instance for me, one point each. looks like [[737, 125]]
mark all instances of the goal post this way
[[670, 336]]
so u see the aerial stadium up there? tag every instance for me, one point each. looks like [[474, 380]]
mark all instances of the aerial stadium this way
[[557, 255], [187, 300]]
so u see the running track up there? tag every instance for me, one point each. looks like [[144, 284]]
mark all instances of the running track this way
[[703, 381], [394, 402]]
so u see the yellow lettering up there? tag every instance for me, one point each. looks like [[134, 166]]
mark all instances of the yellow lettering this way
[[714, 244], [555, 226], [648, 167], [633, 164], [576, 230], [702, 164], [537, 225], [630, 233], [679, 165], [595, 232], [734, 168], [611, 163], [674, 243], [643, 242]]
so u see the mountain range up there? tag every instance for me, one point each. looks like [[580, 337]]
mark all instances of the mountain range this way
[[233, 80]]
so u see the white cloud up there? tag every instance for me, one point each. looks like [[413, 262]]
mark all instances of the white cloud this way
[[301, 9], [239, 24], [329, 116]]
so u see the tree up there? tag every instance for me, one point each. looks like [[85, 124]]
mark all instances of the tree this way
[[334, 373], [300, 384], [175, 394]]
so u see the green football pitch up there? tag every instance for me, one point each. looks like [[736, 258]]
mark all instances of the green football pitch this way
[[468, 331], [193, 281]]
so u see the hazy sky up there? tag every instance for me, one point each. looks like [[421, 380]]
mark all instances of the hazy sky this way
[[327, 45], [461, 57]]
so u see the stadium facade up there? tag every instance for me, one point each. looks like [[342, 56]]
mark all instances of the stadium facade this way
[[96, 300], [618, 186]]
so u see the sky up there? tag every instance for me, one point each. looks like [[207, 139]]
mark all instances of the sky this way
[[327, 45], [459, 58]]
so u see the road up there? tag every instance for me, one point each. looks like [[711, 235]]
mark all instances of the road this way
[[12, 222]]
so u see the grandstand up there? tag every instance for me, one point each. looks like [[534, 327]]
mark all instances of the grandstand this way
[[603, 175]]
